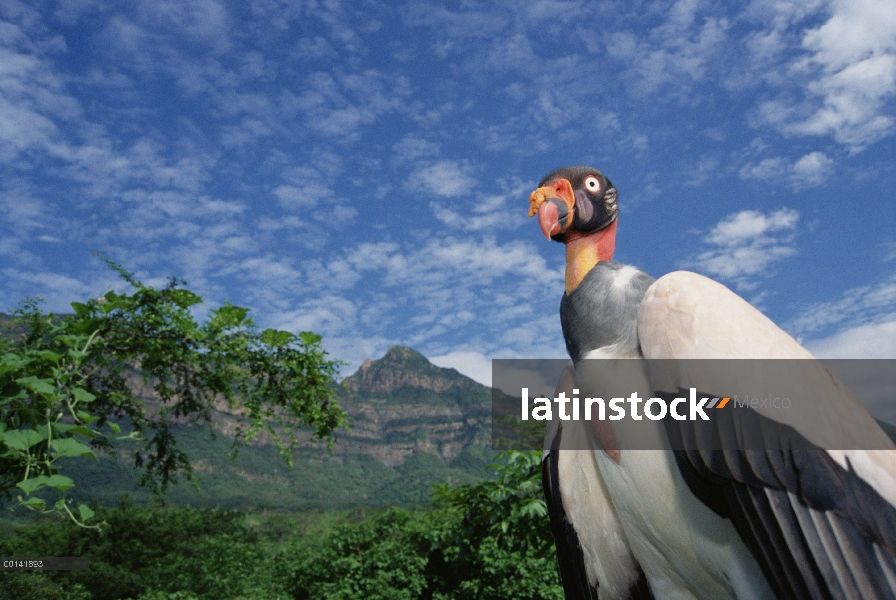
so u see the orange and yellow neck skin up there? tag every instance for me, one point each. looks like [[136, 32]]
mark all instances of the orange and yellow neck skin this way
[[583, 251]]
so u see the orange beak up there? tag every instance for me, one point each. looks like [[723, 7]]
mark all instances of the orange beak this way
[[555, 206]]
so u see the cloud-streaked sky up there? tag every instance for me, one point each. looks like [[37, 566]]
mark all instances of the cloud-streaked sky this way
[[362, 169]]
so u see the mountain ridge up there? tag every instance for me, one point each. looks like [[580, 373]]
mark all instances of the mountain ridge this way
[[405, 367], [402, 404], [411, 425]]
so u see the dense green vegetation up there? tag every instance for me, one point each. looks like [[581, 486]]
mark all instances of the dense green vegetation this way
[[484, 540], [258, 479]]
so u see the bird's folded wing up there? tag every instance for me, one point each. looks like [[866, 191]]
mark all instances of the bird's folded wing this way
[[821, 522], [818, 530]]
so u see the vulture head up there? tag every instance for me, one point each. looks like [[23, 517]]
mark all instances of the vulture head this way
[[577, 206], [573, 200]]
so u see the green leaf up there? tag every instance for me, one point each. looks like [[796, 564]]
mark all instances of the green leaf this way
[[309, 338], [86, 417], [230, 316], [81, 310], [184, 298], [48, 355], [82, 395], [86, 327], [70, 447], [11, 359], [535, 507], [32, 485], [60, 429], [275, 338], [85, 511], [37, 385], [22, 440], [6, 368], [110, 301], [77, 354], [150, 333], [60, 482], [35, 503], [71, 340]]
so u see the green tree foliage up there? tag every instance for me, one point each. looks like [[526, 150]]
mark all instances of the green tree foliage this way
[[381, 558], [67, 385], [144, 553], [481, 541], [487, 540], [497, 541]]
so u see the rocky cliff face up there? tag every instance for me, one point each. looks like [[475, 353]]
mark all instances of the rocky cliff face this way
[[402, 404]]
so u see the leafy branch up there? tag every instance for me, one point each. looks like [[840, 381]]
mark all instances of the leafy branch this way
[[67, 383]]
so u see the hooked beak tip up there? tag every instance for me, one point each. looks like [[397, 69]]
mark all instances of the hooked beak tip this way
[[549, 219], [555, 205]]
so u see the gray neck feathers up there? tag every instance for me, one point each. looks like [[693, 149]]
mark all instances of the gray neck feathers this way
[[603, 310]]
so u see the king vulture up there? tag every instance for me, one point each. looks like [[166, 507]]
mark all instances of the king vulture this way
[[794, 520]]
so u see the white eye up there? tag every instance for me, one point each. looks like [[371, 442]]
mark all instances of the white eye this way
[[592, 184]]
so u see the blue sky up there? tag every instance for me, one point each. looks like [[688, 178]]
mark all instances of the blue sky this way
[[362, 169]]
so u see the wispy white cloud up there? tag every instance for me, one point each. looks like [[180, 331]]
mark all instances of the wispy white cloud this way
[[860, 324], [842, 81], [26, 214], [33, 99], [744, 246], [426, 294], [856, 51], [864, 305], [292, 196], [889, 251], [476, 214], [329, 314], [810, 170], [454, 27], [706, 168], [493, 212], [338, 104], [675, 54], [57, 290], [446, 178], [876, 340], [413, 147], [474, 365]]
